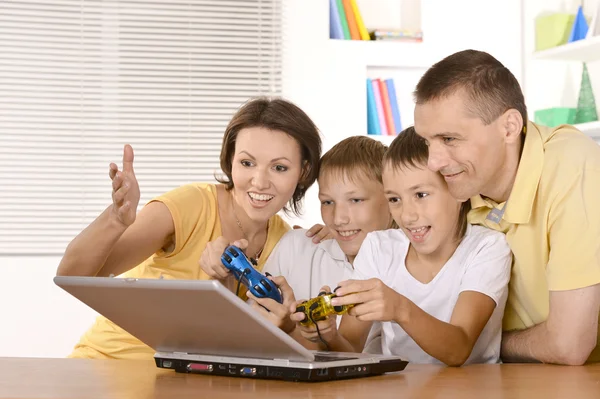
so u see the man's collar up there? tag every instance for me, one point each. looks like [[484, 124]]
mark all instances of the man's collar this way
[[333, 249], [520, 202]]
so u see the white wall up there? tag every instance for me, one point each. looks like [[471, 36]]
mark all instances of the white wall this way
[[38, 319]]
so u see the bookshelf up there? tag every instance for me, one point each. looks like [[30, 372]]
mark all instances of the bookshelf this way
[[586, 50]]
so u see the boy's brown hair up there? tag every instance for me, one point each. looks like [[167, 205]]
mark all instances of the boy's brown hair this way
[[490, 87], [356, 155], [409, 150]]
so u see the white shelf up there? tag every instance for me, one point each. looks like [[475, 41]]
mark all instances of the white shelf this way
[[379, 53], [582, 50], [591, 129]]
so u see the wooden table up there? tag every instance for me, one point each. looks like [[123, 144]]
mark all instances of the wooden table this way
[[73, 378]]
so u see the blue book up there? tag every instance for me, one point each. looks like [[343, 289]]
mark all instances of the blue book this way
[[394, 104], [372, 118], [580, 27], [335, 26]]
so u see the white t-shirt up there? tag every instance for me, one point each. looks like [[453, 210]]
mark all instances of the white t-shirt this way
[[481, 263], [308, 266]]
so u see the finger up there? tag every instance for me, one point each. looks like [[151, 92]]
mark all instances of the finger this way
[[112, 170], [128, 159], [117, 181], [351, 299], [350, 286], [260, 309], [325, 289], [314, 230], [120, 194], [322, 235], [297, 317], [297, 227], [268, 303]]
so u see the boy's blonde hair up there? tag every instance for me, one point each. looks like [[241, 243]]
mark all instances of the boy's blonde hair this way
[[353, 157], [409, 150]]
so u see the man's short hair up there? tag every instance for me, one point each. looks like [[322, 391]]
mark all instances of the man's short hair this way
[[490, 87]]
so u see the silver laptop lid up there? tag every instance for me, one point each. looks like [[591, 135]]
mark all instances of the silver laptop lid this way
[[189, 316]]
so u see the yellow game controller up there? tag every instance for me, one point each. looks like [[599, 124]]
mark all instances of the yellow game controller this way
[[319, 308]]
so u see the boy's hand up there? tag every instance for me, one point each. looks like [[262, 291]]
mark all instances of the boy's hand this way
[[327, 328], [373, 300], [278, 314]]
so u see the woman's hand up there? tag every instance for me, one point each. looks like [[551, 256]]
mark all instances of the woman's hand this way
[[210, 261], [125, 189]]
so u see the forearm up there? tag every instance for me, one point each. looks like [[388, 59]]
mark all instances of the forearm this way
[[443, 341], [87, 253], [341, 344], [304, 342]]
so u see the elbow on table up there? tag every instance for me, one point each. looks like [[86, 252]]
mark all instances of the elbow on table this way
[[573, 351]]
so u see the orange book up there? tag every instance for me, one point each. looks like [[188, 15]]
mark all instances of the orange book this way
[[387, 108], [352, 25], [364, 35]]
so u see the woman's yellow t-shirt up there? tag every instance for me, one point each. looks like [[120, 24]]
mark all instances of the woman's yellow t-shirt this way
[[196, 219]]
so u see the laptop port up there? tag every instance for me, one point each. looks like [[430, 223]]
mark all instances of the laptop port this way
[[167, 364], [322, 372], [199, 368], [248, 371]]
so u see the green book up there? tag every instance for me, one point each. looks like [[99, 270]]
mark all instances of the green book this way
[[343, 20]]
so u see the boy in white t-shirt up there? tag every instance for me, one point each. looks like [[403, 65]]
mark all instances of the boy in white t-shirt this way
[[437, 284], [352, 205]]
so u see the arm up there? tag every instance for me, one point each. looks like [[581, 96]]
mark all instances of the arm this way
[[453, 342], [450, 343], [119, 239], [568, 336]]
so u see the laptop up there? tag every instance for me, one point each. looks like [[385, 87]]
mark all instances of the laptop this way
[[199, 326]]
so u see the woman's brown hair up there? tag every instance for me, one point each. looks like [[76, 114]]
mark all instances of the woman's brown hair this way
[[282, 115]]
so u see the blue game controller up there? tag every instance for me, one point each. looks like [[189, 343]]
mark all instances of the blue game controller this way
[[260, 286]]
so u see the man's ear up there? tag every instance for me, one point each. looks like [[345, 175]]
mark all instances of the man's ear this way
[[512, 124]]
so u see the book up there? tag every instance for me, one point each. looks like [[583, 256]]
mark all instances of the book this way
[[364, 34], [352, 26], [335, 26], [343, 19], [372, 117], [391, 88], [387, 108], [379, 106]]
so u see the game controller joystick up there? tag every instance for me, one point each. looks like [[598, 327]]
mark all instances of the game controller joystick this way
[[260, 286], [319, 308]]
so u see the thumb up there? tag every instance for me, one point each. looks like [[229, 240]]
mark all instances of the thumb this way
[[241, 244], [127, 158]]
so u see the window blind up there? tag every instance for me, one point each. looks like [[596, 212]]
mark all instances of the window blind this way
[[79, 79]]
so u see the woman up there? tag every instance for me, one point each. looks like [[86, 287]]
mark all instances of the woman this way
[[270, 156]]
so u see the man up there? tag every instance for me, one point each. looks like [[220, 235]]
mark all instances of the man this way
[[539, 185]]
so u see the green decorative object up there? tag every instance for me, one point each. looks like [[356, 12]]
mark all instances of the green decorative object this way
[[555, 116], [586, 106], [552, 30]]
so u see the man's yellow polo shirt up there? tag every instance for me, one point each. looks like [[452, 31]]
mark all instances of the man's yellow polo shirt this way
[[551, 221]]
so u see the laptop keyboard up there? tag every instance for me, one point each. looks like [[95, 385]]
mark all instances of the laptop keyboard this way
[[331, 358]]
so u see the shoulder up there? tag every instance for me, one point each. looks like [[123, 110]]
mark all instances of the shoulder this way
[[296, 240], [384, 237], [386, 243], [480, 240], [278, 227], [567, 150], [193, 193]]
